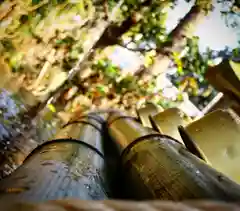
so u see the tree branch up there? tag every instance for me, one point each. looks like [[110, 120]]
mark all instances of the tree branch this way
[[177, 40], [53, 95], [113, 33]]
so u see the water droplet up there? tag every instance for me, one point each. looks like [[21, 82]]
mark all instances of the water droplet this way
[[87, 186]]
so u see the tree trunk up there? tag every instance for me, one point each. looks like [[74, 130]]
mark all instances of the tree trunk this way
[[177, 39]]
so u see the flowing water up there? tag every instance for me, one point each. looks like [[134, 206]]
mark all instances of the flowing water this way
[[21, 130]]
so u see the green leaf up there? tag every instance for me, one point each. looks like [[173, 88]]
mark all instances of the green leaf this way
[[66, 41], [15, 61], [101, 63], [111, 71], [180, 97], [101, 89], [51, 108]]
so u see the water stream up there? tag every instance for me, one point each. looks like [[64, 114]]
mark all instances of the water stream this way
[[21, 129]]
